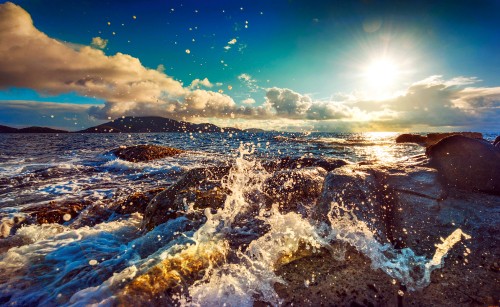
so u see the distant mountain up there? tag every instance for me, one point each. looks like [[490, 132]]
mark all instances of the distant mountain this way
[[6, 129], [153, 124]]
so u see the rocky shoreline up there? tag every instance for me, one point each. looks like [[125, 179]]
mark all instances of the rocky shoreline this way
[[411, 204]]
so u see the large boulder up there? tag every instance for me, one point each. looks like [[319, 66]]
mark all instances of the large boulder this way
[[144, 153], [410, 138], [356, 189], [395, 201], [413, 208], [467, 163], [414, 195], [433, 138]]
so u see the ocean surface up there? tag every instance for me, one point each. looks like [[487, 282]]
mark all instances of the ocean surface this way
[[68, 265]]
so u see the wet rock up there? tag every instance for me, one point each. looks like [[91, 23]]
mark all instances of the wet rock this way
[[327, 164], [395, 201], [199, 188], [55, 212], [296, 189], [413, 196], [417, 211], [136, 202], [345, 279], [355, 188], [433, 138], [144, 153], [105, 209], [496, 142], [467, 163], [410, 138], [9, 224]]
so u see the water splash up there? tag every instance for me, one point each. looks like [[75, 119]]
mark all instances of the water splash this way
[[410, 269]]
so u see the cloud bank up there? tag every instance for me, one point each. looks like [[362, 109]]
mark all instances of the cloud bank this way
[[31, 59]]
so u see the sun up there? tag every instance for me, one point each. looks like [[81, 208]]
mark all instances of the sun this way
[[381, 74]]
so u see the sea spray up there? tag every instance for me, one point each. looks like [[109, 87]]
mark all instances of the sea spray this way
[[58, 260], [411, 270], [250, 275]]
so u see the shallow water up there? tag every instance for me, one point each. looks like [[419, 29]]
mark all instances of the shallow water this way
[[114, 261]]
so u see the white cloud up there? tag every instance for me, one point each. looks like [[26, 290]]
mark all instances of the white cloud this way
[[249, 82], [31, 59], [99, 43], [248, 101], [196, 83]]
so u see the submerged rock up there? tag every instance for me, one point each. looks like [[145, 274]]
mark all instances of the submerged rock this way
[[144, 153], [467, 163]]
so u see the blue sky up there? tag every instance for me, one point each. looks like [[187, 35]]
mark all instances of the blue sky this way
[[338, 65]]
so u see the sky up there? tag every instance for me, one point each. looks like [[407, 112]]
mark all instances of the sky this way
[[284, 64]]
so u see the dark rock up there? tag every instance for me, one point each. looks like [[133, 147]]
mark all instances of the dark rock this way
[[395, 202], [136, 202], [9, 225], [55, 212], [413, 197], [200, 187], [343, 278], [296, 189], [417, 211], [103, 210], [433, 138], [496, 143], [327, 164], [410, 138], [144, 153], [467, 163], [355, 188]]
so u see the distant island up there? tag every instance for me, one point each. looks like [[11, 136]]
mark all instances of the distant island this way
[[129, 124], [7, 129]]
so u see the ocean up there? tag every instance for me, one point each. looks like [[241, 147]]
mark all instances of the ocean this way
[[100, 260]]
